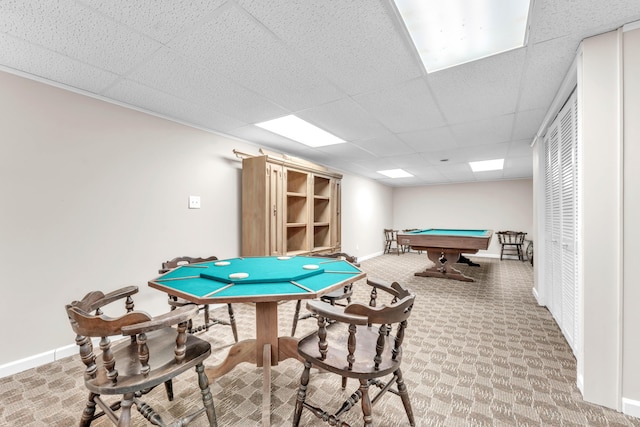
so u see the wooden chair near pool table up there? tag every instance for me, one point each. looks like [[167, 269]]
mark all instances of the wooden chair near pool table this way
[[358, 341], [511, 243], [332, 298], [391, 241], [179, 302], [130, 368]]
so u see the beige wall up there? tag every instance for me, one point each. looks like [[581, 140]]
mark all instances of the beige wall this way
[[600, 219], [500, 205], [94, 196], [631, 290], [366, 207]]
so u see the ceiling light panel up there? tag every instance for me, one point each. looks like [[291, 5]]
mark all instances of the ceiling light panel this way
[[455, 32], [395, 173], [298, 130], [487, 165]]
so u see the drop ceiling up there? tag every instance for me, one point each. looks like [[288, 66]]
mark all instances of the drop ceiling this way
[[345, 66]]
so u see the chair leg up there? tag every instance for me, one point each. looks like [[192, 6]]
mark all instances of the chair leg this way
[[89, 411], [232, 322], [205, 308], [125, 413], [367, 410], [295, 318], [302, 394], [404, 395], [207, 398], [168, 386]]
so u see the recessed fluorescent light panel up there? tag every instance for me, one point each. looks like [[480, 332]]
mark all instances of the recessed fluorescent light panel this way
[[295, 128], [396, 173], [454, 32], [487, 165]]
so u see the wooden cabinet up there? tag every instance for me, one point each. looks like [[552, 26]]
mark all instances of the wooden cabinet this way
[[289, 207]]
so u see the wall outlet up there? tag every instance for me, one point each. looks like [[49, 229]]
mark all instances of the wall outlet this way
[[194, 202]]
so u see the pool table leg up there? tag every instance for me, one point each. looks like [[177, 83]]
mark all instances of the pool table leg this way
[[443, 260]]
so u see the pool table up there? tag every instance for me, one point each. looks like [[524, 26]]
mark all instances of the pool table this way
[[444, 247], [264, 281]]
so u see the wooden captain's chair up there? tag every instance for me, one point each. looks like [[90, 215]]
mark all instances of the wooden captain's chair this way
[[363, 342], [391, 241], [332, 298], [155, 354], [178, 302], [511, 243]]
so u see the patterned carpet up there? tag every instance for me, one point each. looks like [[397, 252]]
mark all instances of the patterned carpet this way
[[475, 354]]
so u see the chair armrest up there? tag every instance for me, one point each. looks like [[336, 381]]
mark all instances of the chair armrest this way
[[95, 300], [127, 291], [179, 315], [393, 289], [336, 313]]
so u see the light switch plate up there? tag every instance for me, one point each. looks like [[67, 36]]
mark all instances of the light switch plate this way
[[194, 202]]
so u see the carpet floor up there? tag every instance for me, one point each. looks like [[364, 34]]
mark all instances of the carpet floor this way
[[475, 354]]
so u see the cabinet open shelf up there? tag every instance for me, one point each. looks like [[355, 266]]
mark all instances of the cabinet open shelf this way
[[297, 210], [321, 186], [297, 182], [321, 235], [289, 207], [296, 238]]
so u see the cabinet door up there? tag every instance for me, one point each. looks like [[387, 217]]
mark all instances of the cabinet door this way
[[336, 202], [276, 222]]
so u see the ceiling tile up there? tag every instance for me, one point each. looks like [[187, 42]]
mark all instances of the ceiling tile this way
[[521, 148], [152, 100], [177, 75], [527, 123], [38, 61], [160, 20], [480, 89], [559, 18], [347, 152], [355, 43], [547, 65], [427, 140], [403, 108], [76, 31], [345, 119], [233, 44], [488, 131], [385, 146]]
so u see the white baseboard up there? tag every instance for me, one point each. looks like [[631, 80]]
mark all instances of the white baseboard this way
[[37, 360], [631, 407], [580, 383], [27, 363], [535, 295], [366, 257]]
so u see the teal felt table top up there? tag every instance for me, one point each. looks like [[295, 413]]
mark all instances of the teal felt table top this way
[[449, 232], [260, 276]]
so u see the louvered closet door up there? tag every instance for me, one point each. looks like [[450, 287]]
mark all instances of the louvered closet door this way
[[552, 222], [561, 160], [568, 168]]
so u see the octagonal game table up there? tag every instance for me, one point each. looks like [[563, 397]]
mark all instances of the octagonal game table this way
[[264, 281]]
